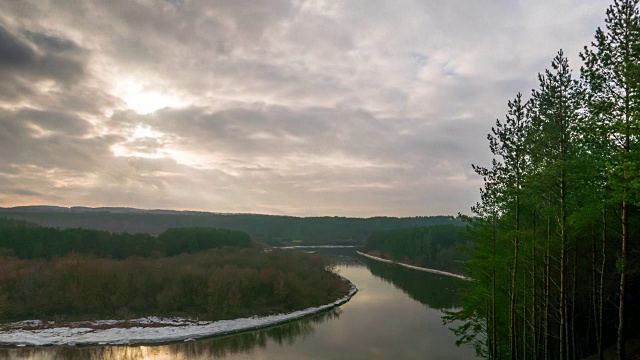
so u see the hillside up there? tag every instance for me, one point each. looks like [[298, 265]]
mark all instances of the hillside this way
[[267, 228]]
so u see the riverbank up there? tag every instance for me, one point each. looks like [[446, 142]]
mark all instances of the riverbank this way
[[150, 330], [413, 267], [316, 247]]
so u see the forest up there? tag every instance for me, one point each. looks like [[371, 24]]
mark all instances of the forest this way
[[434, 247], [26, 240], [270, 229], [555, 249], [205, 273]]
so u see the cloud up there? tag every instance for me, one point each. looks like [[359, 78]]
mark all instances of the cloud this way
[[44, 57], [303, 107]]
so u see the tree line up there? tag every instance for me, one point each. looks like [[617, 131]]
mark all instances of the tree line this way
[[271, 229], [555, 234], [434, 247], [26, 240]]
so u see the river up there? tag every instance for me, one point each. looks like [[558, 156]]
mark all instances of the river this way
[[396, 314]]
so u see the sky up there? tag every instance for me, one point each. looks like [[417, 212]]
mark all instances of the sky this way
[[295, 107]]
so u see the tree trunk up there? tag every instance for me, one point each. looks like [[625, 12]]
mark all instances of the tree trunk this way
[[563, 269], [494, 345], [573, 354], [514, 272], [487, 324], [564, 346], [602, 270], [547, 289], [594, 291], [524, 326], [563, 286], [622, 355], [534, 294]]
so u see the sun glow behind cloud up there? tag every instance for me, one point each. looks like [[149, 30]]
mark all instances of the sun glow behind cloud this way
[[143, 99], [143, 131], [141, 141]]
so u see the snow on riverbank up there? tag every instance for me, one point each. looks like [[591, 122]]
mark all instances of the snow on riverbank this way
[[317, 247], [143, 331], [439, 272]]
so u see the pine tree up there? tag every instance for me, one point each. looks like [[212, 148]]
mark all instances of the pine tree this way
[[612, 72], [508, 142], [488, 211], [565, 169], [557, 103]]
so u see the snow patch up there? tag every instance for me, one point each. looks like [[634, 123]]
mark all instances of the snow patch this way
[[433, 271], [147, 330], [316, 247]]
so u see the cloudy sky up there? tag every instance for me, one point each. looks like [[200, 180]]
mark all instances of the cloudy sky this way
[[300, 107]]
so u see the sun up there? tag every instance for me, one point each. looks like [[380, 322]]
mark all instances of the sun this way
[[143, 131], [144, 99]]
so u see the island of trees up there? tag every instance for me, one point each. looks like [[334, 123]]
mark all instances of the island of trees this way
[[555, 237], [205, 273]]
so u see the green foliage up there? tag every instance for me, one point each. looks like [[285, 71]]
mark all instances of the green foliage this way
[[189, 240], [432, 247], [471, 331], [569, 214], [612, 73], [27, 240]]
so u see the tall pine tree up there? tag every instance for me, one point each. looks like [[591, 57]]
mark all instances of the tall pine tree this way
[[612, 72]]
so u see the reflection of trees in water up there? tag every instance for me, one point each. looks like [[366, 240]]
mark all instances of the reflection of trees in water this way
[[435, 291], [284, 334], [340, 256], [203, 349]]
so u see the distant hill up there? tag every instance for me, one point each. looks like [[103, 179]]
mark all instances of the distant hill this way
[[267, 228]]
